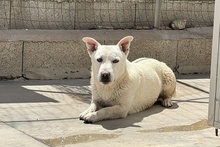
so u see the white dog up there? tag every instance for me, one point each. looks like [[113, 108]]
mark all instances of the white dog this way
[[121, 87]]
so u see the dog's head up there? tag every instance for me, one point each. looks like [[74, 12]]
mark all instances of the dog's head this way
[[108, 61]]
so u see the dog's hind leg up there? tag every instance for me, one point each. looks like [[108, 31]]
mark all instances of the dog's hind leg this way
[[165, 102], [168, 88]]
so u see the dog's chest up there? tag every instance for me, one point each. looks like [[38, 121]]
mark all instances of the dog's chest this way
[[107, 98]]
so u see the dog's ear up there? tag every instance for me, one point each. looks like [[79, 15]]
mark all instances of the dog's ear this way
[[91, 44], [124, 44]]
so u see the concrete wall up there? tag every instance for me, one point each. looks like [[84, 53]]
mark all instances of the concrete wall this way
[[10, 59], [101, 14], [38, 54]]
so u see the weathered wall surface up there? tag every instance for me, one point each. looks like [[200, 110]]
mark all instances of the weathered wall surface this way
[[38, 54], [101, 14]]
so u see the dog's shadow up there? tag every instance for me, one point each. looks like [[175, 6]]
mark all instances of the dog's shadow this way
[[130, 120]]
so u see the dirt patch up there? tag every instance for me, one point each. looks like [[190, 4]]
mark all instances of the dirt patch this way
[[200, 125], [81, 138]]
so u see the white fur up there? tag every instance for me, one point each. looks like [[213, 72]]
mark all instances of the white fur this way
[[132, 87]]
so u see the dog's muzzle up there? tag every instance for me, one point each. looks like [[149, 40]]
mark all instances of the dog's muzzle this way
[[105, 77]]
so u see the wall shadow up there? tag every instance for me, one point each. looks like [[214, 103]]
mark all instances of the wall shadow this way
[[18, 94], [15, 91]]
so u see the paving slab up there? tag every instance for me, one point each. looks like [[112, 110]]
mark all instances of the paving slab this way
[[11, 137], [48, 110]]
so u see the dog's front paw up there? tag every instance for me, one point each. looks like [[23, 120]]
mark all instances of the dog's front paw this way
[[89, 117], [83, 114]]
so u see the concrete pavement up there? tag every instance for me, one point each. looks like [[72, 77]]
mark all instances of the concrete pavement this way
[[45, 113]]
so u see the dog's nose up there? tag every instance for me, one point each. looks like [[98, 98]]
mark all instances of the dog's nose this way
[[105, 74], [105, 77]]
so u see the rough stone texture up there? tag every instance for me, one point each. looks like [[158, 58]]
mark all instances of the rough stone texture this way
[[163, 50], [178, 24], [10, 59], [104, 14], [56, 60], [62, 54], [96, 14], [42, 14], [4, 14], [195, 12], [145, 14], [194, 55]]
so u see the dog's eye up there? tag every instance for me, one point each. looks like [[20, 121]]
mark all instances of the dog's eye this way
[[99, 59], [115, 61]]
